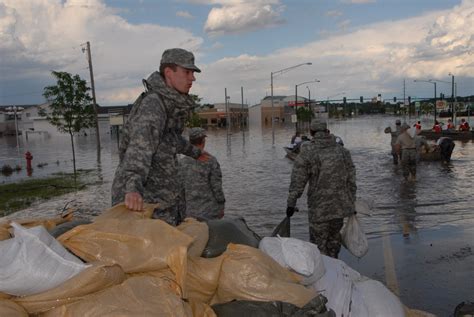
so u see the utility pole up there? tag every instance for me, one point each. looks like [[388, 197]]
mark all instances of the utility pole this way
[[452, 97], [227, 111], [242, 108], [404, 101], [89, 57]]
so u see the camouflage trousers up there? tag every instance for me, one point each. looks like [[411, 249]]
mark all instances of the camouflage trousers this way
[[327, 236], [409, 162]]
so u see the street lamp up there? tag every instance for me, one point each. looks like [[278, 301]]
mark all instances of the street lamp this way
[[452, 96], [13, 110], [279, 72], [296, 99]]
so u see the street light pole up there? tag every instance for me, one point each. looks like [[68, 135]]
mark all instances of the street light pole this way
[[296, 99], [279, 72], [452, 97], [15, 110]]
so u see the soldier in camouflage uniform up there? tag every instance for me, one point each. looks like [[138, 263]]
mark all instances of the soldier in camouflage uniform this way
[[406, 145], [394, 134], [151, 139], [202, 182], [329, 169]]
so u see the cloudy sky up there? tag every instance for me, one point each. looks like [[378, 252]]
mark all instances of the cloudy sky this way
[[359, 47]]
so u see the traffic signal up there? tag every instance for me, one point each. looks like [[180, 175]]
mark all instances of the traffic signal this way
[[361, 99], [394, 99], [344, 100], [441, 96], [409, 100]]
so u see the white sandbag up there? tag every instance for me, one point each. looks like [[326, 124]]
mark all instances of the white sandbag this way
[[353, 237], [300, 256], [376, 298], [337, 285], [33, 261]]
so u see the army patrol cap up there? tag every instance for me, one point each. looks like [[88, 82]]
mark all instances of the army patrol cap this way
[[405, 126], [196, 133], [180, 57], [317, 125], [398, 122]]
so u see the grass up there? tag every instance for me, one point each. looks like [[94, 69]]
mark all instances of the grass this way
[[17, 196]]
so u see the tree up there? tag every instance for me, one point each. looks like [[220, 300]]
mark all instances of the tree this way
[[71, 106]]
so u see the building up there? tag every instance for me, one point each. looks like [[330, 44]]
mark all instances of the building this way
[[217, 116]]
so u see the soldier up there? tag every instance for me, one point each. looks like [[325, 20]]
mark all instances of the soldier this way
[[329, 169], [205, 198], [148, 167], [394, 135], [407, 145]]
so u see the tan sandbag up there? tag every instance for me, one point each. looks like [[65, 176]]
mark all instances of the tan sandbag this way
[[199, 231], [167, 276], [416, 313], [4, 232], [93, 279], [137, 296], [136, 245], [249, 274], [119, 211], [48, 223], [200, 309], [203, 277], [9, 308]]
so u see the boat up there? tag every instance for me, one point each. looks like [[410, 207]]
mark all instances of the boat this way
[[291, 153], [453, 134]]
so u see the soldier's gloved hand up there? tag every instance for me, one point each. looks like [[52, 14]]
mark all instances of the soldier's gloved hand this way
[[290, 211]]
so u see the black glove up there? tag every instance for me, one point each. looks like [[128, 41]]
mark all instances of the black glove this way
[[290, 211]]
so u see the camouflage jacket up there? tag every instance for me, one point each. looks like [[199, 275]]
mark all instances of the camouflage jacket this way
[[394, 134], [329, 169], [151, 140], [203, 187]]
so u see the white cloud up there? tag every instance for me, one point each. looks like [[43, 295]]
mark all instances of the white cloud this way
[[373, 59], [243, 16], [184, 14], [344, 24], [43, 35]]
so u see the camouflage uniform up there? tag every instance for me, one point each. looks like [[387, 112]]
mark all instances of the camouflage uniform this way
[[203, 184], [408, 147], [151, 140], [329, 169], [394, 135]]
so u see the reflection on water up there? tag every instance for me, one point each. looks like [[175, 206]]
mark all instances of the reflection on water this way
[[257, 176]]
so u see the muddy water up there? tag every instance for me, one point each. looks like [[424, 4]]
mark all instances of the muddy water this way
[[436, 209]]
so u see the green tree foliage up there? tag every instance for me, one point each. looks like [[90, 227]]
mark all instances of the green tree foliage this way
[[71, 108], [304, 114]]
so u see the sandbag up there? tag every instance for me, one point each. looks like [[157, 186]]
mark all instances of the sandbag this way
[[199, 231], [316, 308], [65, 227], [33, 262], [48, 223], [120, 211], [377, 299], [4, 232], [9, 308], [93, 279], [137, 296], [353, 237], [337, 285], [300, 256], [203, 277], [225, 231], [249, 274], [137, 245]]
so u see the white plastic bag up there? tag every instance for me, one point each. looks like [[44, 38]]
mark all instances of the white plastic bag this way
[[33, 261], [300, 256], [353, 237]]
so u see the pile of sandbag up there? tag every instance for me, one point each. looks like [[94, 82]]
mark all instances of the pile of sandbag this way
[[124, 263]]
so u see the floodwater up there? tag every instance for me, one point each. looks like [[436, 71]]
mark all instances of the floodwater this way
[[421, 234]]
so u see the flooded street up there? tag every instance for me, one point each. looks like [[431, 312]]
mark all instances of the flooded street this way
[[421, 234]]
